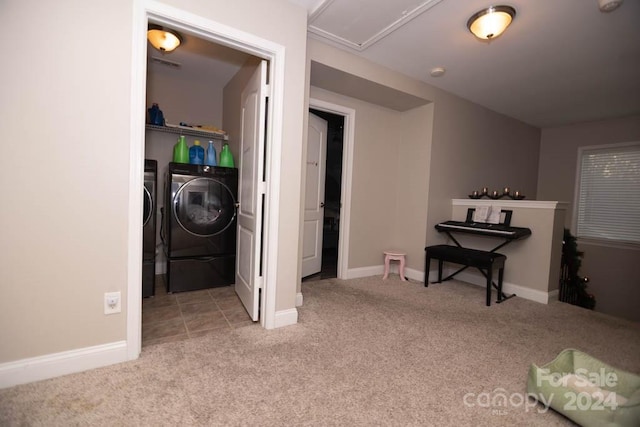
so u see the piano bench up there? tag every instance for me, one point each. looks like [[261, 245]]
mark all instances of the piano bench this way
[[484, 261]]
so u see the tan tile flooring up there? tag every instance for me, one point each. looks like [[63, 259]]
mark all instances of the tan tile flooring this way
[[184, 315]]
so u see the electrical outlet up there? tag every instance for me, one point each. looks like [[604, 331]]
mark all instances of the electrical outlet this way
[[112, 303]]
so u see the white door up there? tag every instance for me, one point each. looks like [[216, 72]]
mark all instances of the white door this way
[[314, 195], [251, 191]]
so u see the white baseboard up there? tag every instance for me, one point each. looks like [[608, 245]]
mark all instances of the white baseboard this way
[[58, 364], [286, 318], [413, 274], [299, 299], [378, 270], [508, 288], [356, 273], [410, 273]]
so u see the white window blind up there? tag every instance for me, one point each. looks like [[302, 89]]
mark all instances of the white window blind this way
[[608, 200]]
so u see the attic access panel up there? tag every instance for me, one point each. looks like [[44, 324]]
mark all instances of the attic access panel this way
[[360, 23]]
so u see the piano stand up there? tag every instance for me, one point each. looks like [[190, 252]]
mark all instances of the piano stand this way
[[484, 261]]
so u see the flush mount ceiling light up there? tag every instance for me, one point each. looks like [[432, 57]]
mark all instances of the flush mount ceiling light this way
[[437, 72], [489, 23], [163, 39], [609, 5]]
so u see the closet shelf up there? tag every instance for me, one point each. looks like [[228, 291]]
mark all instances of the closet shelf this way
[[181, 130]]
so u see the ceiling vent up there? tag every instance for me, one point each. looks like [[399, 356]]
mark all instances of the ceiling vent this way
[[166, 62]]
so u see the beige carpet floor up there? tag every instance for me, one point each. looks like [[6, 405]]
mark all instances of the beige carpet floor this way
[[365, 352]]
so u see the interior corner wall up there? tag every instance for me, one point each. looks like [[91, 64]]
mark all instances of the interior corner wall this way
[[412, 184], [474, 147], [613, 271]]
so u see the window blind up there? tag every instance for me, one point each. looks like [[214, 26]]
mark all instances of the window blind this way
[[609, 194]]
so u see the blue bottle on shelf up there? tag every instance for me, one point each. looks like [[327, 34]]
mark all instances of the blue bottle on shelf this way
[[210, 158], [196, 154]]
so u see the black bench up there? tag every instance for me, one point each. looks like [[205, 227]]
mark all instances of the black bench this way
[[482, 260]]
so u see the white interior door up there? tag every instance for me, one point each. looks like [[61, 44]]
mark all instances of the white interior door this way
[[314, 195], [251, 191]]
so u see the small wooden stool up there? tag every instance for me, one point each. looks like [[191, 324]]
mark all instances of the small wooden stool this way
[[394, 256]]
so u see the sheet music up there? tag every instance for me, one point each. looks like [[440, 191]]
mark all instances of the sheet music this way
[[494, 215], [481, 213], [487, 214]]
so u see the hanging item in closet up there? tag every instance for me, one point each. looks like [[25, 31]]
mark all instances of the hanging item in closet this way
[[226, 158], [181, 151]]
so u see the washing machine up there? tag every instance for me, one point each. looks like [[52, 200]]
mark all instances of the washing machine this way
[[149, 228], [200, 226]]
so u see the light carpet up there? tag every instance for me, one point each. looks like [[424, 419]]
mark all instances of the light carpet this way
[[365, 352]]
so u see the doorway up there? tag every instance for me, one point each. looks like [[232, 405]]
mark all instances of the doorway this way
[[332, 195], [342, 140], [235, 39]]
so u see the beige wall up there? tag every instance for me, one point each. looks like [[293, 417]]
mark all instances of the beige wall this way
[[373, 194], [474, 148], [390, 165], [64, 224], [533, 263], [66, 109], [465, 147], [613, 272], [412, 185], [189, 97]]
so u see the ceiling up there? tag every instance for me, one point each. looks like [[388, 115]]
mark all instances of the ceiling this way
[[560, 61]]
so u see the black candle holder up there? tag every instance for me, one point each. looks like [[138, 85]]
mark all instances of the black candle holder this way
[[495, 195]]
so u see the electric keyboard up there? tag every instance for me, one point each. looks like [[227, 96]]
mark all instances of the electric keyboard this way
[[484, 229]]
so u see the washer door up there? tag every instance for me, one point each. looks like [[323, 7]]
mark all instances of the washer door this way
[[204, 207], [148, 206]]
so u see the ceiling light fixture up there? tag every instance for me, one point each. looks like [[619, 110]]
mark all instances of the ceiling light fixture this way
[[609, 5], [437, 72], [489, 23], [163, 39]]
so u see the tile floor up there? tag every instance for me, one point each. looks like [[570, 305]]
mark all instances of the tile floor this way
[[184, 315]]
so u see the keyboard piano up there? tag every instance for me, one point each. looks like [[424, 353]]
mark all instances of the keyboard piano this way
[[497, 230]]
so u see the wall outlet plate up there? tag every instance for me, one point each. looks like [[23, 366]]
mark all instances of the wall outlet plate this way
[[112, 303]]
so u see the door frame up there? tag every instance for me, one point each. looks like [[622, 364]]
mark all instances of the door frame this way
[[348, 141], [150, 10]]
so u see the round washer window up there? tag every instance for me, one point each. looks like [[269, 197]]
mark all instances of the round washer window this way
[[204, 207]]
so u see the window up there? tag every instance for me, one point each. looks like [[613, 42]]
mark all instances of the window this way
[[608, 193]]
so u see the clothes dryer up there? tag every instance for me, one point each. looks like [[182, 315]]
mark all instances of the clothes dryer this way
[[200, 226], [149, 228]]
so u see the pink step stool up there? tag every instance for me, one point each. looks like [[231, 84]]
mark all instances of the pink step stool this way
[[394, 256]]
